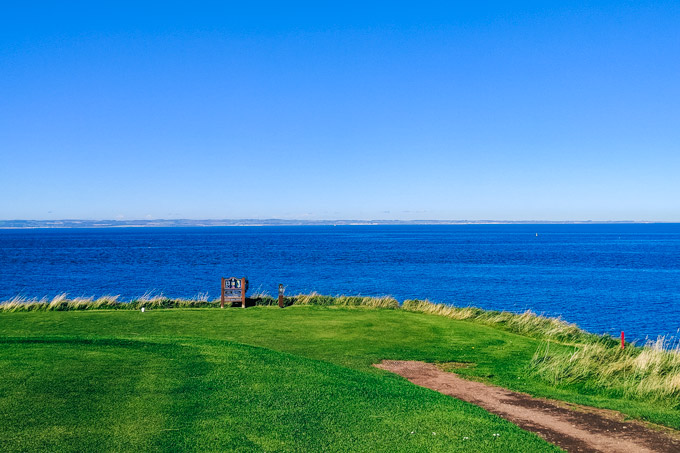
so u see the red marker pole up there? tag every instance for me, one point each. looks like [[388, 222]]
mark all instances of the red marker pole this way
[[622, 340]]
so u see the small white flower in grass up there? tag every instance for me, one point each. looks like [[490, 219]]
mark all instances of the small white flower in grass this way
[[465, 438], [434, 434], [412, 432], [496, 435]]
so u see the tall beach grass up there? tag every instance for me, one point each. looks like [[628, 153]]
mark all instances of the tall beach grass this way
[[61, 302], [649, 372], [150, 300], [527, 323]]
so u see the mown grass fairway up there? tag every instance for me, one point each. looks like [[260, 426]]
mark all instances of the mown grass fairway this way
[[260, 379]]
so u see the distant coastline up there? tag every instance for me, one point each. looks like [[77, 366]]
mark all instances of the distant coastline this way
[[77, 223]]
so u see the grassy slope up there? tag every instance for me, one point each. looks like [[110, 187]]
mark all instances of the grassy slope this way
[[78, 394], [223, 397], [350, 338]]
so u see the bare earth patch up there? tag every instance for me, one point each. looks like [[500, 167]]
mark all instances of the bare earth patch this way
[[571, 427]]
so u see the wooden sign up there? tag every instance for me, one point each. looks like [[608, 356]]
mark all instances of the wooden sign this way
[[234, 290]]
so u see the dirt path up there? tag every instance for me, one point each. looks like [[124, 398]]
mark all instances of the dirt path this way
[[571, 427]]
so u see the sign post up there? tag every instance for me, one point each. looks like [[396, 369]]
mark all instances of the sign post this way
[[281, 289]]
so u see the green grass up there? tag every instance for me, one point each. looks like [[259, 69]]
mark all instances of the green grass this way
[[81, 393], [265, 379]]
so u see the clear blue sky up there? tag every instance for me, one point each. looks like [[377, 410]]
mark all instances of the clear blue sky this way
[[478, 110]]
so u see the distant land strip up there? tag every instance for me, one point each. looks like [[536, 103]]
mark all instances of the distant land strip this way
[[76, 223]]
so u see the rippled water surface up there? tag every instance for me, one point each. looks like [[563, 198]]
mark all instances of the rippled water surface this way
[[606, 278]]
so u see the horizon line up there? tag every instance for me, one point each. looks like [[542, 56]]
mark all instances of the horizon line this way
[[169, 223]]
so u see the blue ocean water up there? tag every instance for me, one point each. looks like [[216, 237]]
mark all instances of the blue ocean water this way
[[603, 277]]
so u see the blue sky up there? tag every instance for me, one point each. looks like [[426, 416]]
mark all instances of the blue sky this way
[[477, 110]]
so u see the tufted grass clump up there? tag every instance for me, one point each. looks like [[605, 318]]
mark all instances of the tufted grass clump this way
[[61, 302], [527, 323], [650, 372], [345, 301]]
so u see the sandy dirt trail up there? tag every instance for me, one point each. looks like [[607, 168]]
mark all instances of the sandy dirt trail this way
[[571, 427]]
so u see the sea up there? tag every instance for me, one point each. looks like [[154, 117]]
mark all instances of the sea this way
[[606, 278]]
